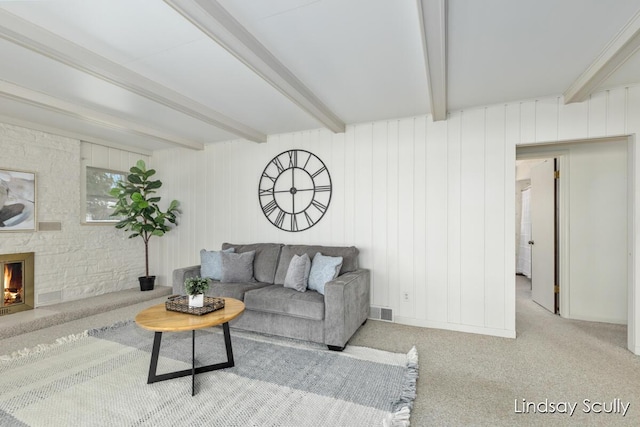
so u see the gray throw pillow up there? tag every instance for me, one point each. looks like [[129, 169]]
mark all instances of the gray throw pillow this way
[[237, 267], [323, 270], [211, 263], [298, 273]]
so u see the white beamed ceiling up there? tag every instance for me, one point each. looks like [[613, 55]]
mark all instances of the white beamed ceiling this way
[[138, 73]]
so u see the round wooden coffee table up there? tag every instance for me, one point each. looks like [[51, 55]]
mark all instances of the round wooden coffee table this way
[[158, 319]]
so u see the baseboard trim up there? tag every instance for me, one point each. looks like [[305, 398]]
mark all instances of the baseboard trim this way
[[502, 333]]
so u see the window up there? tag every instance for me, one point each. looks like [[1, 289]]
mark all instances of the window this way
[[99, 204]]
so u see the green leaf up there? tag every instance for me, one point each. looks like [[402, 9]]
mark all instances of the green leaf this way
[[137, 197], [140, 165], [153, 185], [134, 179], [158, 233]]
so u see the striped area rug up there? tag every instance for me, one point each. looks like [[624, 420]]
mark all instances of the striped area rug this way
[[98, 378]]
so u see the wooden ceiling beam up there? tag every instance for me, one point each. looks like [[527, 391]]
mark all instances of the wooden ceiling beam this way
[[433, 27], [218, 24], [110, 121], [37, 39], [618, 51]]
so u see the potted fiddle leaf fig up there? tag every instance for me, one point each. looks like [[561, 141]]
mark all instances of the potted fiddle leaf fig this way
[[139, 212], [195, 287]]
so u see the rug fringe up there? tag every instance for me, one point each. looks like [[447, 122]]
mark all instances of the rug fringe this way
[[60, 341], [118, 324], [399, 417], [42, 347]]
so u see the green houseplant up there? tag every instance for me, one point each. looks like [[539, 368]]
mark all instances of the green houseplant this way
[[195, 287], [140, 212]]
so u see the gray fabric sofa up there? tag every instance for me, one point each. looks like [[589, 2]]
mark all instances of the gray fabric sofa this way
[[271, 308]]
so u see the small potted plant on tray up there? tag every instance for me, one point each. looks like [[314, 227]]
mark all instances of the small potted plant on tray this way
[[195, 287]]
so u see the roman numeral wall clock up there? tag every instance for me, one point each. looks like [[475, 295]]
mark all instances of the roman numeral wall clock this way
[[295, 190]]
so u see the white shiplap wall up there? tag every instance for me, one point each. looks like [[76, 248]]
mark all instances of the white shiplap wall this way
[[429, 204]]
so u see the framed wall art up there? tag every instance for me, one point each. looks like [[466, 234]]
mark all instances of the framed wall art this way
[[17, 200]]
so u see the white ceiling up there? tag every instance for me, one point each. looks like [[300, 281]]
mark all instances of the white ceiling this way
[[154, 74]]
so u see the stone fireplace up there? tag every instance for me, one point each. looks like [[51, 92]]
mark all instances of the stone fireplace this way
[[17, 282]]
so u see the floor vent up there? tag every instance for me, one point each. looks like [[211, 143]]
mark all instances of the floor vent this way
[[380, 313]]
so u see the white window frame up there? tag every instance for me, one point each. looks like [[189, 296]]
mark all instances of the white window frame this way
[[85, 220]]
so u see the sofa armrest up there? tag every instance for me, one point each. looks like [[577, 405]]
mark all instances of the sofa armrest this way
[[346, 306], [179, 276]]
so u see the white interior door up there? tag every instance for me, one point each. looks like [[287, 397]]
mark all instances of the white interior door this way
[[542, 235]]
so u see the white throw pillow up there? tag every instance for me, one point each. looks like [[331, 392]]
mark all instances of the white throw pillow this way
[[323, 270], [211, 263]]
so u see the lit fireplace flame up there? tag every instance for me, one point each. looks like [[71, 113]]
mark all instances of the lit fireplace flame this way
[[11, 295], [7, 282], [7, 276]]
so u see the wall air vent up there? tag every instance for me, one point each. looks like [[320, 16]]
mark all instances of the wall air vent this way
[[380, 313]]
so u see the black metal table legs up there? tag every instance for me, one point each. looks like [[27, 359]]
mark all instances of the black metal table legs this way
[[153, 377]]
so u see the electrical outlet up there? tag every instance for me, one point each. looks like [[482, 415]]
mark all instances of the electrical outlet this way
[[405, 296]]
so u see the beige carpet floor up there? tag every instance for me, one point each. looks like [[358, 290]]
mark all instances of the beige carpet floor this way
[[476, 380]]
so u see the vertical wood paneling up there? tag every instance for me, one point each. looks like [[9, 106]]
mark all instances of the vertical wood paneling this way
[[528, 122], [217, 198], [597, 110], [494, 233], [114, 158], [573, 121], [349, 184], [453, 224], [616, 113], [436, 221], [633, 127], [633, 111], [512, 132], [430, 205], [546, 119], [393, 184], [337, 207], [100, 157], [379, 231], [362, 195], [201, 183], [419, 219], [472, 223], [406, 155]]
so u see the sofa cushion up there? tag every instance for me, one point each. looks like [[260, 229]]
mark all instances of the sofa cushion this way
[[323, 269], [211, 263], [233, 290], [349, 256], [265, 260], [298, 273], [280, 300], [237, 267]]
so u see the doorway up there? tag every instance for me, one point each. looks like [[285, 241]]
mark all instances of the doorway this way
[[537, 236], [592, 222]]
